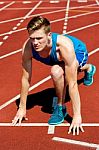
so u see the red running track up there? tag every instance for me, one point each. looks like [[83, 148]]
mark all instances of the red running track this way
[[83, 23]]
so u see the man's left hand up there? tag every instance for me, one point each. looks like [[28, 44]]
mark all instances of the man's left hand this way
[[76, 126]]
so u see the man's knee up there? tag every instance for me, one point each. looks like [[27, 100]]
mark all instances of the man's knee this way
[[56, 72]]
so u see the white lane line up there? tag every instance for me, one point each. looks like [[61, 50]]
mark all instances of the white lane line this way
[[47, 125], [18, 24], [14, 28], [94, 51], [4, 56], [9, 54], [14, 19], [26, 2], [10, 20], [32, 10], [4, 34], [91, 25], [43, 14], [75, 142], [31, 88], [97, 2], [36, 85], [84, 14], [1, 2], [43, 8], [65, 10], [82, 28], [6, 37], [10, 32], [1, 43], [66, 17], [7, 6], [22, 29], [54, 1], [21, 21], [51, 129], [80, 1]]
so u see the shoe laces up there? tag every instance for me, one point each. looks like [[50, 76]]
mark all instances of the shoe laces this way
[[88, 75], [57, 111]]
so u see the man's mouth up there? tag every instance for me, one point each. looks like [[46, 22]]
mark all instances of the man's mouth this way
[[36, 47]]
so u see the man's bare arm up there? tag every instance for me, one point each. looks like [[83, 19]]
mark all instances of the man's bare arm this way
[[71, 65], [25, 83]]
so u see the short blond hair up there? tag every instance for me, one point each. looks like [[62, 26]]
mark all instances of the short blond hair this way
[[37, 22]]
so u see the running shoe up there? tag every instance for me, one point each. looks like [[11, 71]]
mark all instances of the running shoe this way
[[88, 78], [57, 116]]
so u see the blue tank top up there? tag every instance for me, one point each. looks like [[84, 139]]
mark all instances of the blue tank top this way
[[52, 58]]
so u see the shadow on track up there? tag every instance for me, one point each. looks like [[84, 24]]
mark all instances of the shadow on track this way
[[45, 99]]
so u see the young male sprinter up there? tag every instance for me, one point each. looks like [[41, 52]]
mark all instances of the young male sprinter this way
[[67, 55]]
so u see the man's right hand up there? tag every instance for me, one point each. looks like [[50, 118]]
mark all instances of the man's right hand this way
[[20, 115]]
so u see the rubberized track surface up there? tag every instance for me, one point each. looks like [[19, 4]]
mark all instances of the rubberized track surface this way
[[82, 21]]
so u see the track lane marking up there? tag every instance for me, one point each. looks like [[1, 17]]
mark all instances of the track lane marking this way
[[47, 125], [82, 28], [6, 37], [51, 129], [49, 133], [31, 88], [9, 54], [66, 17], [14, 19], [80, 11], [1, 3], [94, 51], [18, 24], [7, 5], [81, 143], [97, 2], [35, 7], [27, 2], [57, 20], [54, 1], [1, 43]]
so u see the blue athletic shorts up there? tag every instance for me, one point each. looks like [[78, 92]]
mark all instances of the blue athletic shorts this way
[[81, 54]]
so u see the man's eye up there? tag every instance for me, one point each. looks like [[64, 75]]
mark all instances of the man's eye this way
[[32, 39], [38, 38], [35, 38]]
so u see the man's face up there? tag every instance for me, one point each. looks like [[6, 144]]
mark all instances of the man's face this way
[[39, 39]]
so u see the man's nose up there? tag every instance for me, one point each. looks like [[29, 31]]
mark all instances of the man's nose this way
[[35, 41]]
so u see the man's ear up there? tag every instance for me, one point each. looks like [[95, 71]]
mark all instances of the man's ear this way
[[49, 34]]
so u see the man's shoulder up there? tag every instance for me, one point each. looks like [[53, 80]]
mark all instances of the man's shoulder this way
[[62, 39], [27, 44], [27, 49]]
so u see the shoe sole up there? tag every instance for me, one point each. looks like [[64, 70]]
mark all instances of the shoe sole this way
[[92, 77], [56, 123]]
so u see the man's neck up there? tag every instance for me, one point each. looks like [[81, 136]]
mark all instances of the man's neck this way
[[47, 50], [45, 53]]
